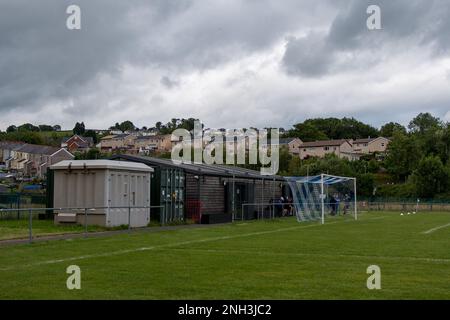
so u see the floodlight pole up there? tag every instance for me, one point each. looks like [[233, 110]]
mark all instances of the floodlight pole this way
[[356, 203], [322, 198]]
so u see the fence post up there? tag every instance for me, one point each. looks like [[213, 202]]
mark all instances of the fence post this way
[[129, 217], [85, 222], [18, 206], [30, 225], [163, 216]]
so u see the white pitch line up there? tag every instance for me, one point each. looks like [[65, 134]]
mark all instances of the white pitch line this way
[[320, 255], [437, 228], [120, 252], [126, 251]]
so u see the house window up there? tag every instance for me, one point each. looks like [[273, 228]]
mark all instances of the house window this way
[[382, 144], [326, 148], [366, 144]]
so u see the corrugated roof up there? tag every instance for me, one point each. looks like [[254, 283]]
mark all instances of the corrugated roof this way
[[199, 169], [100, 164]]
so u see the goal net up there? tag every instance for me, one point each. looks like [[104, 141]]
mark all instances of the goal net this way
[[316, 197]]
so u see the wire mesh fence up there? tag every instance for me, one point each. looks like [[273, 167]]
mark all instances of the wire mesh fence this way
[[410, 205], [31, 223], [304, 211], [22, 200]]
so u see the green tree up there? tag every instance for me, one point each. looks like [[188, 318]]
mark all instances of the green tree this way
[[28, 127], [294, 168], [79, 128], [92, 134], [284, 161], [45, 127], [424, 122], [365, 184], [127, 126], [345, 128], [11, 128], [390, 128], [403, 155], [92, 154], [306, 132], [431, 177], [25, 136]]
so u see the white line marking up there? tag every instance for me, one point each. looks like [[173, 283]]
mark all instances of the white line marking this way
[[437, 228], [120, 252], [126, 251], [266, 253]]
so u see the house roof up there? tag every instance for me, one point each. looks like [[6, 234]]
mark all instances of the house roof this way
[[10, 145], [368, 140], [121, 136], [29, 148], [108, 137], [85, 139], [156, 137], [198, 169], [325, 143], [38, 149], [287, 140]]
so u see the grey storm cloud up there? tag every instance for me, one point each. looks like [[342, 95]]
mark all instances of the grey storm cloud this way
[[40, 60], [405, 24], [169, 83]]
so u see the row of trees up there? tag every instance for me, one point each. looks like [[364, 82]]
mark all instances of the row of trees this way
[[417, 163], [345, 128], [167, 128], [28, 127]]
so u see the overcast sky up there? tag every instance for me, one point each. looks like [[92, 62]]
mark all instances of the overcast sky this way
[[230, 63]]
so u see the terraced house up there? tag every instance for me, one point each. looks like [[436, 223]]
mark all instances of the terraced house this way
[[370, 145], [159, 143], [119, 142], [342, 148], [31, 160]]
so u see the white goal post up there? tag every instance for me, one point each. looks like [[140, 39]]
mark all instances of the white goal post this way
[[314, 197]]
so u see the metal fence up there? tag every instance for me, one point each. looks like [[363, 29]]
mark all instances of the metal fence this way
[[22, 200], [31, 214], [272, 210], [404, 206]]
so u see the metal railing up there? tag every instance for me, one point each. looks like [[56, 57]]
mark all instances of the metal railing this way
[[85, 211]]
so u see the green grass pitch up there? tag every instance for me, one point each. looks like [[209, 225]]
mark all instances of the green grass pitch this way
[[279, 259]]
